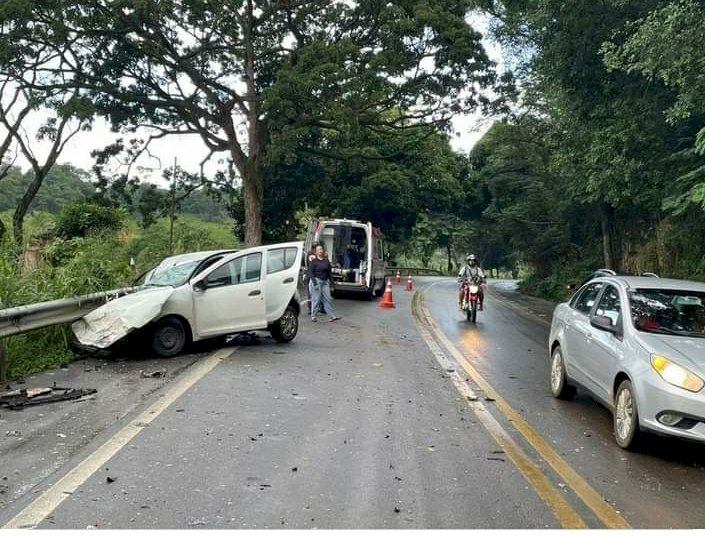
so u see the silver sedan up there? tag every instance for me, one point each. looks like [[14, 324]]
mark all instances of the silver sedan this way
[[637, 344]]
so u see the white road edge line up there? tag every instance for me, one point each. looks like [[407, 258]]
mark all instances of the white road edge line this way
[[50, 499]]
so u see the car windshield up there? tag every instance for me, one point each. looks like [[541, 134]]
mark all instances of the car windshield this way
[[669, 312], [174, 275]]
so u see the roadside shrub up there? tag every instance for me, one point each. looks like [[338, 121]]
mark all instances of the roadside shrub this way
[[81, 218]]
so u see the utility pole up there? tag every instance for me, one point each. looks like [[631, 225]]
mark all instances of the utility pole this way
[[172, 214]]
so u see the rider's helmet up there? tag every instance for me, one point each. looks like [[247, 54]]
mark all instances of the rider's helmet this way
[[471, 259]]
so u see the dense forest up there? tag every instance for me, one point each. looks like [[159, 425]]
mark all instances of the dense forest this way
[[595, 157]]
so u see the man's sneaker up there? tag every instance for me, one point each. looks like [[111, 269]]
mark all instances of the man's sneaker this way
[[334, 319], [314, 319]]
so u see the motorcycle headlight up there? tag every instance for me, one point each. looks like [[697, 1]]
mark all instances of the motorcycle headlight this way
[[676, 375]]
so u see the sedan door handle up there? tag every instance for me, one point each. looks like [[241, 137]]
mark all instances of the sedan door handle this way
[[288, 280], [255, 293]]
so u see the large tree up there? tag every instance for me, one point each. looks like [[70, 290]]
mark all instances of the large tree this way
[[258, 78]]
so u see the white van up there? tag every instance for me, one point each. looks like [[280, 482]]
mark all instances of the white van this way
[[355, 249]]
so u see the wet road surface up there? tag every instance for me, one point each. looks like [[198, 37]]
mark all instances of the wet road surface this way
[[370, 422]]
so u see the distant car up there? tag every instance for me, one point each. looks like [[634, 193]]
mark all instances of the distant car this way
[[638, 345], [203, 295]]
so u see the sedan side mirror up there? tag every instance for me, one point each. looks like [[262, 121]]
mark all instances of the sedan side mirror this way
[[200, 286], [605, 324]]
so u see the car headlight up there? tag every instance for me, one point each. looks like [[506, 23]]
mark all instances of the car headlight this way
[[676, 375]]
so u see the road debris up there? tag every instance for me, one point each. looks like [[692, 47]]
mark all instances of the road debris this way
[[13, 433], [21, 398], [154, 374], [110, 479], [496, 459], [489, 399]]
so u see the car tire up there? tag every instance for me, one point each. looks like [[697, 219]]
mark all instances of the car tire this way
[[169, 337], [285, 329], [560, 385], [626, 417]]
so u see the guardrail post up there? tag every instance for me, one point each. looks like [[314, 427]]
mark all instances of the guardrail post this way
[[3, 363]]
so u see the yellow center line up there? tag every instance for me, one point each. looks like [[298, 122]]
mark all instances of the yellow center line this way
[[50, 499], [607, 515], [554, 498]]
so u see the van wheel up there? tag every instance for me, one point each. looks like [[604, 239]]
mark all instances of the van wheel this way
[[169, 337], [380, 291], [285, 329]]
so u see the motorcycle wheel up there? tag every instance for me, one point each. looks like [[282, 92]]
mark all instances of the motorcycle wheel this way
[[472, 313]]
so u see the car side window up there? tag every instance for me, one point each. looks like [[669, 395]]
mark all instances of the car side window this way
[[610, 305], [587, 298], [241, 270], [280, 259], [253, 268]]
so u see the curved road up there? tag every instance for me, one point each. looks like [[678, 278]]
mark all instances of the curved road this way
[[402, 418]]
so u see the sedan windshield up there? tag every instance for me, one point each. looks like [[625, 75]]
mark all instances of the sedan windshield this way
[[174, 275], [669, 312]]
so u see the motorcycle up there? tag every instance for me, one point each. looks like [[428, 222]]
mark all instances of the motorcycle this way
[[471, 297]]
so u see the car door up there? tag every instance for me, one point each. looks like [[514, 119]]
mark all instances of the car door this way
[[605, 349], [577, 331], [283, 267], [231, 297]]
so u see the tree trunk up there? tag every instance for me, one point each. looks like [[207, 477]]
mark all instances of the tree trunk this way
[[606, 238], [3, 230], [253, 198], [23, 207], [450, 259]]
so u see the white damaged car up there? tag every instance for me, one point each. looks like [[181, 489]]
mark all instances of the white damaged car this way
[[199, 296]]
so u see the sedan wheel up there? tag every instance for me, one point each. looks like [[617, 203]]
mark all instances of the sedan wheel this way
[[560, 388], [169, 337], [286, 328], [626, 417]]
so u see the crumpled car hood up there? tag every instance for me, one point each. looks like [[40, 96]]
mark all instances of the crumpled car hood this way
[[111, 322]]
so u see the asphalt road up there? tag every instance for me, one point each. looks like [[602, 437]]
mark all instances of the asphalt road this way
[[402, 418]]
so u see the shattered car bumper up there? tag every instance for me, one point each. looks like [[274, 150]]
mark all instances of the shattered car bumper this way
[[111, 322]]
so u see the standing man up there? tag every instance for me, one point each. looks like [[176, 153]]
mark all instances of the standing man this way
[[468, 272], [309, 258], [319, 276]]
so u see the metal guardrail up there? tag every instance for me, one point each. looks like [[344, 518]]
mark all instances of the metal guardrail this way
[[26, 318], [392, 270]]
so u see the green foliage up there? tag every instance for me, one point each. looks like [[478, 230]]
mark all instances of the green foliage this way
[[86, 264], [63, 185], [81, 218]]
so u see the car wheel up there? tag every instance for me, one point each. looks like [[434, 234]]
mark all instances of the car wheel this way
[[626, 417], [286, 328], [560, 387], [169, 337]]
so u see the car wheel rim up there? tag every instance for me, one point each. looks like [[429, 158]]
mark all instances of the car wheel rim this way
[[625, 414], [288, 324], [556, 372], [168, 338]]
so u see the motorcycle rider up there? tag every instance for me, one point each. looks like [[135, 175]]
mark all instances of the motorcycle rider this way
[[468, 272]]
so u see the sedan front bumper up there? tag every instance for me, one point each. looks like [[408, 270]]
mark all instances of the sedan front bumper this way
[[657, 397]]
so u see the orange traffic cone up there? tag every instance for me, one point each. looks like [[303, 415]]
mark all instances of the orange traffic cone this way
[[387, 300], [410, 283], [398, 276]]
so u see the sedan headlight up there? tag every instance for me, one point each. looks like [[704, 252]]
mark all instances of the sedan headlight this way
[[676, 375]]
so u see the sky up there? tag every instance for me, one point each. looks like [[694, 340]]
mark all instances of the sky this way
[[189, 151]]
